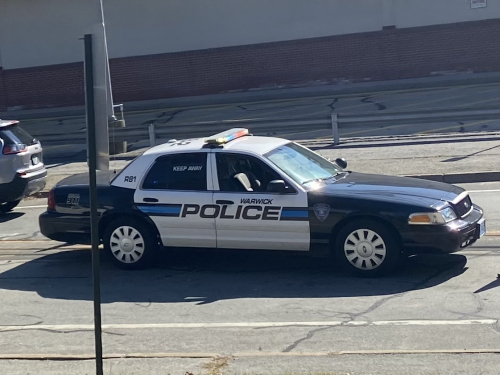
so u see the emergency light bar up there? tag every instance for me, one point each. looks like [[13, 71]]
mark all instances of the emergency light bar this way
[[227, 136]]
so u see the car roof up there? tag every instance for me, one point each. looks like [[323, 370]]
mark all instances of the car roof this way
[[253, 144], [4, 123]]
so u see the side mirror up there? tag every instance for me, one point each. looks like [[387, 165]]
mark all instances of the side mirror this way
[[276, 186], [341, 162]]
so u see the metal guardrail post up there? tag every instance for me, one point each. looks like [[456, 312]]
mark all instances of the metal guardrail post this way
[[152, 135], [335, 129]]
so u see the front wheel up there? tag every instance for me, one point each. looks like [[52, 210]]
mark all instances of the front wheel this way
[[368, 248], [131, 243], [8, 206]]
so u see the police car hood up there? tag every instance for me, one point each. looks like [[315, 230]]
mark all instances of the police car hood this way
[[389, 188], [103, 178]]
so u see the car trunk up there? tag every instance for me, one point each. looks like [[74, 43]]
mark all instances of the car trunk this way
[[23, 162]]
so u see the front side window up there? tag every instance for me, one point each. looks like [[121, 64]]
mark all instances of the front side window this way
[[243, 173], [178, 172], [301, 164]]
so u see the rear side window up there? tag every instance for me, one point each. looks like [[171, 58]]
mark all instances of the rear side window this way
[[178, 172], [14, 135]]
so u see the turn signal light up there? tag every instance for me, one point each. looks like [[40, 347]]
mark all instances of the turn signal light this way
[[420, 219]]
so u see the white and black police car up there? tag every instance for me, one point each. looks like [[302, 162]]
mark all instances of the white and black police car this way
[[237, 191]]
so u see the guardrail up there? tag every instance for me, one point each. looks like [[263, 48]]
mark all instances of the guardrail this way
[[333, 121]]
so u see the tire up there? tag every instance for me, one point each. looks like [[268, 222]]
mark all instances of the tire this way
[[132, 245], [368, 248], [8, 206]]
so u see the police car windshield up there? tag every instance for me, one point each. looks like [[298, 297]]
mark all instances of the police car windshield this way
[[301, 164]]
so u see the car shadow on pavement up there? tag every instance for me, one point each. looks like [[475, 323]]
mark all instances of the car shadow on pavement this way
[[204, 276], [10, 216]]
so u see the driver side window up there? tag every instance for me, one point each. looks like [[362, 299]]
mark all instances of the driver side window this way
[[243, 173]]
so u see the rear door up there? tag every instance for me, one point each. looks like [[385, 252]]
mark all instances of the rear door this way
[[250, 217], [176, 194]]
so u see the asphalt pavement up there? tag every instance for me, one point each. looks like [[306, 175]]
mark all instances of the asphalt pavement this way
[[227, 312]]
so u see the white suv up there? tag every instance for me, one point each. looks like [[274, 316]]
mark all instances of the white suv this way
[[22, 171]]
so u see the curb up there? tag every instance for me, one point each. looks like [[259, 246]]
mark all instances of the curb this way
[[461, 178]]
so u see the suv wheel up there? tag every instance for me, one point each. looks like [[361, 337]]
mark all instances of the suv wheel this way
[[131, 243], [368, 248], [8, 206]]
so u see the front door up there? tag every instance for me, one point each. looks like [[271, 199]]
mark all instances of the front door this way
[[177, 195], [251, 217]]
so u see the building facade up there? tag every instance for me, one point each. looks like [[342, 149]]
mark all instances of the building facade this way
[[171, 48]]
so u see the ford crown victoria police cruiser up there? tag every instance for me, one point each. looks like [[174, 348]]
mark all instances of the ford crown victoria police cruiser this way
[[238, 191]]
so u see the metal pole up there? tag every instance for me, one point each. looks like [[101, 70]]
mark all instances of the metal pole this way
[[152, 135], [335, 129], [92, 155]]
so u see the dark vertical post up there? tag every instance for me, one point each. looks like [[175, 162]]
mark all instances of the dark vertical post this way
[[92, 161]]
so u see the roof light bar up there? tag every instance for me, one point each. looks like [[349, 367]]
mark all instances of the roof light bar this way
[[227, 136]]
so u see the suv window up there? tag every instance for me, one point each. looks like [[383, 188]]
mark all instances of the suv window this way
[[14, 135], [178, 172], [237, 172]]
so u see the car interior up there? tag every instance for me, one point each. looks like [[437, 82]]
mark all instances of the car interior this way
[[243, 173]]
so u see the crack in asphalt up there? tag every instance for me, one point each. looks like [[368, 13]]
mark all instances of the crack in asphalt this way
[[379, 106], [63, 331], [171, 117], [476, 313], [309, 336], [40, 321], [439, 271], [331, 105]]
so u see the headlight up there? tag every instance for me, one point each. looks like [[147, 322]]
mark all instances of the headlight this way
[[440, 217], [448, 214]]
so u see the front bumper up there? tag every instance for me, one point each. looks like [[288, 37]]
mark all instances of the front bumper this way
[[449, 238], [65, 228]]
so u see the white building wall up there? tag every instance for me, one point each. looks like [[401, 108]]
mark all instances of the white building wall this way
[[45, 32]]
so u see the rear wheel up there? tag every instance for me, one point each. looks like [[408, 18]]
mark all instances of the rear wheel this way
[[368, 248], [131, 243], [8, 206]]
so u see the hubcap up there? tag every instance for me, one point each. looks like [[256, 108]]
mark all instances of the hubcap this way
[[127, 244], [365, 249]]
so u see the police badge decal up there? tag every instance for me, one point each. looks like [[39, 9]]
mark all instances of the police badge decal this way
[[321, 211]]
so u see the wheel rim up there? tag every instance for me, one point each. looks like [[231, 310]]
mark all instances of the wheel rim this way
[[127, 244], [365, 249]]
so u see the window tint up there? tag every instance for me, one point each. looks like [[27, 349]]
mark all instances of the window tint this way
[[238, 172], [13, 135], [178, 172]]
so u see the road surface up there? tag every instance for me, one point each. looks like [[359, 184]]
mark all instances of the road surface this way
[[209, 312]]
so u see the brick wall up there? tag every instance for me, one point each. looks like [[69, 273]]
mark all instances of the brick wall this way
[[382, 55]]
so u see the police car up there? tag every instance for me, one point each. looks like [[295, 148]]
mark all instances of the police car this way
[[238, 191]]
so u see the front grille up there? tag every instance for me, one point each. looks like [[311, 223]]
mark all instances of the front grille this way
[[463, 207]]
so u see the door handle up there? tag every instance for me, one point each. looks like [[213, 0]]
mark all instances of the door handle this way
[[223, 202], [150, 200]]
